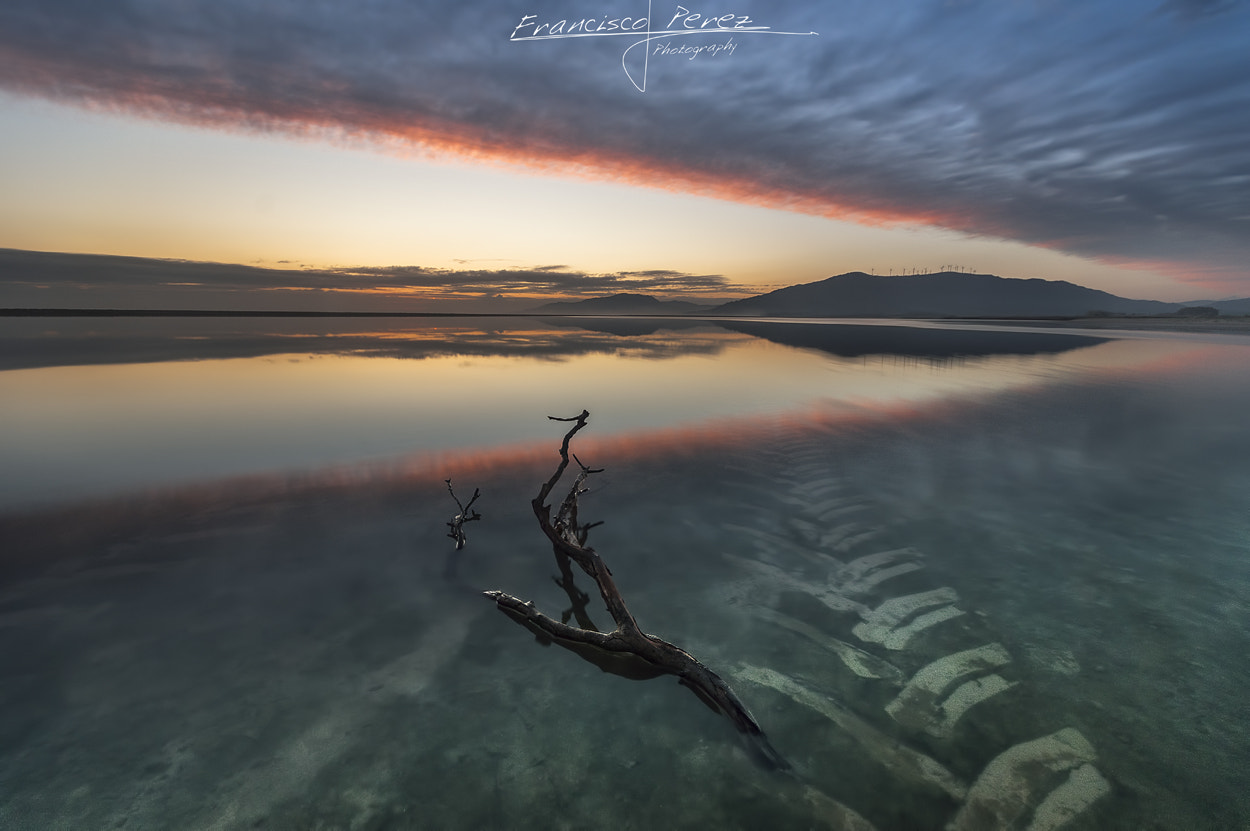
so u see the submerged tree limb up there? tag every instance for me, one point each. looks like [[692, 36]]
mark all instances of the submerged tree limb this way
[[626, 651], [467, 514]]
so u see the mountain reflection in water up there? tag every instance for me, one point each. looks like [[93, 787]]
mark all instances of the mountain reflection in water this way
[[43, 342], [92, 406]]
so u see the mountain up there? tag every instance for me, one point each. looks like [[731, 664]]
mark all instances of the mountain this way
[[1238, 306], [621, 304], [625, 326], [945, 294]]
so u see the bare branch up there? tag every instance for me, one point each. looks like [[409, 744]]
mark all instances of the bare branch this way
[[564, 453], [466, 515], [626, 651]]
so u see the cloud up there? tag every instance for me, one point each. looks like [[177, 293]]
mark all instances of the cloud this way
[[1097, 129], [549, 280], [1191, 9], [30, 279]]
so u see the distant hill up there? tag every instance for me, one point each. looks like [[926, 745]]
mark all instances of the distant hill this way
[[945, 294], [1225, 307], [48, 282], [621, 304], [627, 326]]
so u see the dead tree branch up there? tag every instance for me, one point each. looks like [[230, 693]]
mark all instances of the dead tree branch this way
[[467, 514], [626, 651]]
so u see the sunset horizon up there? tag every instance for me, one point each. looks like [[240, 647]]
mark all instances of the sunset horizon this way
[[803, 151], [33, 280]]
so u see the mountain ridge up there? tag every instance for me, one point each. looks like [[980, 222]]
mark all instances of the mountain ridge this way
[[946, 294], [940, 294], [34, 282], [622, 303]]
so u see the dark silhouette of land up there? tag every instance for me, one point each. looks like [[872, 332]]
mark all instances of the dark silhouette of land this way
[[947, 294], [42, 284], [942, 295], [623, 304]]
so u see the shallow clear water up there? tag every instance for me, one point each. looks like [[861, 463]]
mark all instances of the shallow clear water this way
[[995, 578]]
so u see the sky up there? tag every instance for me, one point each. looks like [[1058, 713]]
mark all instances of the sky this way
[[419, 154]]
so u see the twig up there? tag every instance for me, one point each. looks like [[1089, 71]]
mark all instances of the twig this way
[[467, 514]]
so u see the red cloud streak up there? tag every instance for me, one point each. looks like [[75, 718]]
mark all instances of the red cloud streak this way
[[328, 111]]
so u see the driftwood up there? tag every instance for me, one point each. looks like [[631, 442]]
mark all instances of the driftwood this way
[[626, 650], [467, 514]]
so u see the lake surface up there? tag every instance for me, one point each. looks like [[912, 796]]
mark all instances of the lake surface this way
[[966, 577]]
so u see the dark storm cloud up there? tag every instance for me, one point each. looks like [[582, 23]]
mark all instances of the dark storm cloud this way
[[1104, 129]]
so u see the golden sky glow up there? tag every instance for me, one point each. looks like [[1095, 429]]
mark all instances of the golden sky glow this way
[[1094, 143], [87, 182]]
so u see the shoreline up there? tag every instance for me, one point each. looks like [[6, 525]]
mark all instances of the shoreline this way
[[1232, 324]]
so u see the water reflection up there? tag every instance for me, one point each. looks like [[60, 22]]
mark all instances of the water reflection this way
[[27, 343], [851, 340], [47, 342], [90, 407]]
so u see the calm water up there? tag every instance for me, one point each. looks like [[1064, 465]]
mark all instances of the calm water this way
[[985, 578]]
